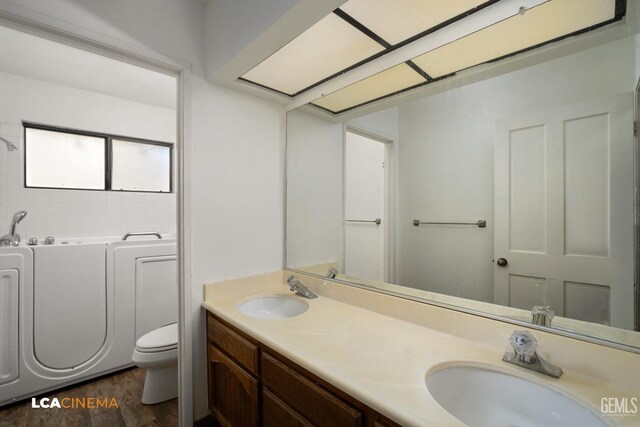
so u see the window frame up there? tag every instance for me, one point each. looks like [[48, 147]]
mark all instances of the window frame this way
[[108, 156]]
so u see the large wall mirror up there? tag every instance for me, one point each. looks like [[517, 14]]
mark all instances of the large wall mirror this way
[[506, 189]]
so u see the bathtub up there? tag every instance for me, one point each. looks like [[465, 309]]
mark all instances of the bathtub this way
[[74, 309]]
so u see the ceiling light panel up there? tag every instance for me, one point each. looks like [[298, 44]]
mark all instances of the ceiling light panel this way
[[328, 47], [398, 20], [540, 24], [377, 86]]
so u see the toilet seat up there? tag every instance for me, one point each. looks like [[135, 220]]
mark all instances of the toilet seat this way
[[158, 340]]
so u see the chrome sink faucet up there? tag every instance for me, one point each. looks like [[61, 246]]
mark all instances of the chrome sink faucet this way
[[541, 315], [331, 273], [13, 238], [525, 355], [299, 289]]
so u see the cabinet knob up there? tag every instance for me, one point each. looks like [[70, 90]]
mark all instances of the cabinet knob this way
[[502, 262]]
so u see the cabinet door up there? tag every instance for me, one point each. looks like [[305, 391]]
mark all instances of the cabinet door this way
[[233, 393], [276, 413]]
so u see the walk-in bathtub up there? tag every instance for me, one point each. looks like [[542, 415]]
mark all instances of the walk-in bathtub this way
[[73, 310]]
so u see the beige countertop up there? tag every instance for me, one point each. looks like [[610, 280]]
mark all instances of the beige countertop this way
[[379, 349]]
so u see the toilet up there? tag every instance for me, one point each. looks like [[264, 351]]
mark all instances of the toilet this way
[[157, 352]]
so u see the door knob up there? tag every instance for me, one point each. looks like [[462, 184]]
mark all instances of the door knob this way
[[502, 262]]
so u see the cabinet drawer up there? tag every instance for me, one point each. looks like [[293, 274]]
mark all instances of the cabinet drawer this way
[[242, 350], [307, 398], [276, 413]]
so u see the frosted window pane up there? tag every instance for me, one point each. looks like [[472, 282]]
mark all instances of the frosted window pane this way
[[140, 167], [64, 160]]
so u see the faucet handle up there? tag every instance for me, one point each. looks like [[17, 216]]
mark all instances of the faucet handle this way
[[524, 344], [541, 315]]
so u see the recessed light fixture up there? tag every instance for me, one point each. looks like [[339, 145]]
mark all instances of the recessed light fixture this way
[[548, 22], [331, 45], [390, 81], [363, 30]]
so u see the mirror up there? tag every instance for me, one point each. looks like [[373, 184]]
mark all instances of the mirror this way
[[506, 190]]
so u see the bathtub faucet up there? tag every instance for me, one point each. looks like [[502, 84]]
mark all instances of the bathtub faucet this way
[[13, 238]]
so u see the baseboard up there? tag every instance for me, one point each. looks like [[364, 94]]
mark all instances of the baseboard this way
[[208, 421]]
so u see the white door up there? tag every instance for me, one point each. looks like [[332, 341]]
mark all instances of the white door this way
[[365, 220], [564, 206]]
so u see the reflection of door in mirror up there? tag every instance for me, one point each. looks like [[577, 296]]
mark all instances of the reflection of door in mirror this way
[[567, 236], [365, 220]]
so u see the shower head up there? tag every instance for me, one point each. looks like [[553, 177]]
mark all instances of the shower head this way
[[18, 216], [10, 145]]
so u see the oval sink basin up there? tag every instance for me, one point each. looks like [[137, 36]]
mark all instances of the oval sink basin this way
[[273, 307], [482, 397]]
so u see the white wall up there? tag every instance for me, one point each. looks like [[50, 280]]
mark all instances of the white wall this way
[[232, 25], [237, 188], [446, 161], [314, 190], [71, 213], [381, 123], [228, 130]]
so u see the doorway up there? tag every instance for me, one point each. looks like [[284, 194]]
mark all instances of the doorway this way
[[562, 237], [118, 102], [367, 213]]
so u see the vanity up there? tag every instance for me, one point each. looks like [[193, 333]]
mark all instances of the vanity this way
[[360, 358], [434, 220], [251, 384]]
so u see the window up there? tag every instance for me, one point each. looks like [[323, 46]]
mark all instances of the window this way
[[71, 159]]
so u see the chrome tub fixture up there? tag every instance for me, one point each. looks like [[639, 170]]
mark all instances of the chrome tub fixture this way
[[13, 238]]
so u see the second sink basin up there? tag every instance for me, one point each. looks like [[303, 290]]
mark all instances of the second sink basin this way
[[483, 397], [273, 307]]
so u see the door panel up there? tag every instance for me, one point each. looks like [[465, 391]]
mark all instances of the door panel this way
[[528, 191], [70, 308], [587, 185], [156, 293], [9, 289], [564, 211]]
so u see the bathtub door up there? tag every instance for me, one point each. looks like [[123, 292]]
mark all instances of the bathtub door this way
[[564, 203], [9, 327], [69, 304]]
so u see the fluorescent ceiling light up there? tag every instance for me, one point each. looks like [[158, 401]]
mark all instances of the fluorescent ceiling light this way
[[328, 47], [377, 86], [543, 23], [398, 20]]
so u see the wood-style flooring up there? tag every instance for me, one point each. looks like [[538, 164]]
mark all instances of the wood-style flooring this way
[[126, 386]]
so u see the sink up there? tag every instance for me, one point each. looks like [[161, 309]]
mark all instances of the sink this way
[[273, 307], [483, 397]]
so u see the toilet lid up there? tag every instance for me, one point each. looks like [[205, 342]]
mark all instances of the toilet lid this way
[[163, 338]]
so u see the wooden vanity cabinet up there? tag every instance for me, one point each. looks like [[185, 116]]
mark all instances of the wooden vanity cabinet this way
[[252, 385]]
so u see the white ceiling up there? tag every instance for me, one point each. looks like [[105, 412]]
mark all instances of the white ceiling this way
[[33, 57]]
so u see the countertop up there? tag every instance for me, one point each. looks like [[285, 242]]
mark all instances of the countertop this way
[[383, 360]]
